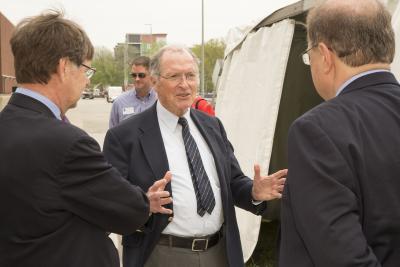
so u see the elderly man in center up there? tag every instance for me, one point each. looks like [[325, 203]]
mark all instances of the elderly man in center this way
[[207, 181]]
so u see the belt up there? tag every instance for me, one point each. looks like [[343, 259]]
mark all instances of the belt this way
[[194, 243]]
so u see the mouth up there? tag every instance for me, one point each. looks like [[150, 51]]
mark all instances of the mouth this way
[[184, 95]]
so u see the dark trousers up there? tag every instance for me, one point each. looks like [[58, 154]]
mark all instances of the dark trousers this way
[[166, 256]]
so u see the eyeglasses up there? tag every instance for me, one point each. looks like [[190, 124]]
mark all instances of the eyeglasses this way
[[141, 75], [90, 71], [306, 57], [178, 77]]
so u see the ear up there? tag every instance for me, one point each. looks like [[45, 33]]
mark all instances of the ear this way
[[154, 81], [62, 68], [327, 57]]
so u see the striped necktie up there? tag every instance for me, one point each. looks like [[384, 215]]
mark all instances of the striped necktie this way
[[201, 183]]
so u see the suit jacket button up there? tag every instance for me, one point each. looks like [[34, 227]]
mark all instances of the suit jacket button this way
[[170, 219]]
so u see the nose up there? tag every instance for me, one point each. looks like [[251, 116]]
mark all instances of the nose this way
[[183, 81]]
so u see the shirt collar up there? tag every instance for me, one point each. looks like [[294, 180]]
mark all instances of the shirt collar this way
[[41, 98], [352, 79], [150, 94], [169, 119]]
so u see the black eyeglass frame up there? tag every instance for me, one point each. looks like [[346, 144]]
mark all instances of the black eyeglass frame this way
[[90, 71], [306, 57], [141, 75]]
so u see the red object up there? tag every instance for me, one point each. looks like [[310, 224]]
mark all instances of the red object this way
[[203, 105]]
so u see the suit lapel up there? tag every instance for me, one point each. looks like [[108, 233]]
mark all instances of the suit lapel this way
[[153, 145]]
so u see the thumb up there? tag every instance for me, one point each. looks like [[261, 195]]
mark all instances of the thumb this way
[[256, 172]]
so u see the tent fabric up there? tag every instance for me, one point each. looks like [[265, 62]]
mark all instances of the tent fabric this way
[[396, 26], [248, 101]]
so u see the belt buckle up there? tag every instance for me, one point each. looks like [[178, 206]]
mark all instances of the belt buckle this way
[[194, 242]]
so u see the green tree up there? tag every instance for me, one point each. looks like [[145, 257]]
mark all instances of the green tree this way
[[122, 62], [213, 50], [108, 72], [154, 47]]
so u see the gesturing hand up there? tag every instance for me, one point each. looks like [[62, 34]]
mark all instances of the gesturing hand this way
[[158, 197], [268, 187]]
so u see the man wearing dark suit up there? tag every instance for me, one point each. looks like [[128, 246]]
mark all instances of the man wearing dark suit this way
[[341, 203], [206, 178], [59, 198]]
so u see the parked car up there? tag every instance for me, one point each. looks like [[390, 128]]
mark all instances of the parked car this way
[[87, 94], [113, 93]]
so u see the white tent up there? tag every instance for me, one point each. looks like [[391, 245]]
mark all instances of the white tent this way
[[263, 87]]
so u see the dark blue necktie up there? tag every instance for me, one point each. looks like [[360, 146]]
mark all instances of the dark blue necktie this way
[[201, 183]]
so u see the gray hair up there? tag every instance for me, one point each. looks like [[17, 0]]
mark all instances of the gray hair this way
[[359, 32], [155, 64]]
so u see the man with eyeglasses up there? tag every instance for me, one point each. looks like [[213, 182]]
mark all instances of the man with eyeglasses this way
[[59, 197], [140, 98], [341, 202], [206, 183]]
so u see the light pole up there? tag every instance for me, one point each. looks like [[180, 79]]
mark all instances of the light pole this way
[[202, 49], [126, 61], [151, 37]]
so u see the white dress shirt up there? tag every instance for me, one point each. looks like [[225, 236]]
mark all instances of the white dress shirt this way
[[186, 222]]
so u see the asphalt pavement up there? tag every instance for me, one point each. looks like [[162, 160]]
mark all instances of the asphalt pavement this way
[[91, 115]]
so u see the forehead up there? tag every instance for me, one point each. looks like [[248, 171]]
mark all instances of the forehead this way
[[138, 68], [172, 61]]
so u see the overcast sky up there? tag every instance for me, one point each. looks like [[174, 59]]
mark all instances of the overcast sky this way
[[107, 21]]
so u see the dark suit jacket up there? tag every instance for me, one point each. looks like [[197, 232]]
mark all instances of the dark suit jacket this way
[[136, 148], [341, 203], [58, 195]]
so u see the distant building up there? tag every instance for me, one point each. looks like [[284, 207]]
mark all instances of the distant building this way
[[6, 58], [137, 44], [142, 43]]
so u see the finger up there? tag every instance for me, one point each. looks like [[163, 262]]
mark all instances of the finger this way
[[279, 174], [280, 188], [158, 185], [282, 181], [159, 194], [256, 172], [168, 176], [162, 194], [165, 211], [165, 201]]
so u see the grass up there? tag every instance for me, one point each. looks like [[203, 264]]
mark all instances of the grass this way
[[265, 253]]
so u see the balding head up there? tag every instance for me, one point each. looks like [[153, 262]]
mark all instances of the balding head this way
[[359, 32], [355, 7]]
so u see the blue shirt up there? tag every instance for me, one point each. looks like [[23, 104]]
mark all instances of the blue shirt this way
[[128, 104], [355, 77], [41, 98]]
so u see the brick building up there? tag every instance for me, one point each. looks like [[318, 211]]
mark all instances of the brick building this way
[[6, 58]]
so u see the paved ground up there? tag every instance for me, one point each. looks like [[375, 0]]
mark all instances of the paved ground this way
[[92, 115]]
